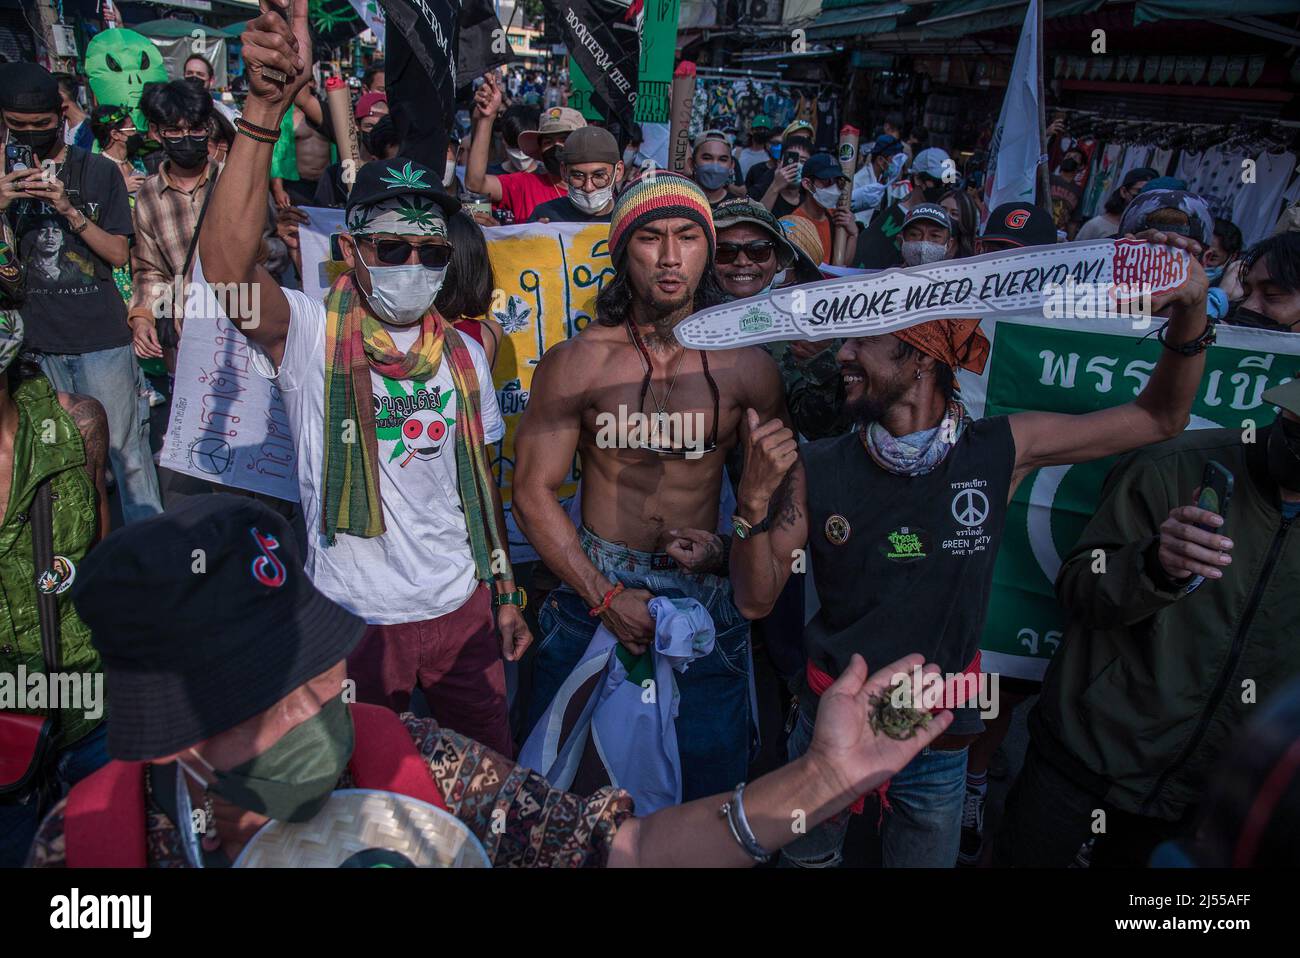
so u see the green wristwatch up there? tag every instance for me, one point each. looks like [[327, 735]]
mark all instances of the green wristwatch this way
[[519, 597], [743, 529]]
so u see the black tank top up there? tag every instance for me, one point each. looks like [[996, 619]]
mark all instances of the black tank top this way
[[905, 564]]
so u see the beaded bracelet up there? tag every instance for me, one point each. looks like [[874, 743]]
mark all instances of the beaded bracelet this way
[[259, 133]]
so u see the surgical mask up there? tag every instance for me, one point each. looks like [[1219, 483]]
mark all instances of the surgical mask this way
[[629, 157], [401, 295], [460, 172], [187, 152], [293, 779], [920, 252], [774, 149], [593, 202], [11, 337], [41, 142], [1214, 274], [712, 176], [798, 173], [1283, 460], [828, 196], [522, 159], [932, 194], [449, 175]]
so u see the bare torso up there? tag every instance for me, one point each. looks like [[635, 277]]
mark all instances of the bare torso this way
[[313, 149], [634, 496]]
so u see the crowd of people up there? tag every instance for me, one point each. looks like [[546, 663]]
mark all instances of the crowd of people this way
[[258, 655]]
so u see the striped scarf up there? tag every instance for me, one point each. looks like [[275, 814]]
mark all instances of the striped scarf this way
[[355, 343]]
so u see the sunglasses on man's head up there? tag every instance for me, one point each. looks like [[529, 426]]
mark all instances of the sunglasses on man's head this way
[[397, 252], [758, 251]]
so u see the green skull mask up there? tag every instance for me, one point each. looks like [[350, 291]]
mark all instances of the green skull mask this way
[[119, 63]]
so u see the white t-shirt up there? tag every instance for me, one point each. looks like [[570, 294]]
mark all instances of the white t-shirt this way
[[422, 566]]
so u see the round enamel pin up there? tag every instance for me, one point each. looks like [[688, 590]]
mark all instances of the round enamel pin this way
[[58, 578], [837, 530]]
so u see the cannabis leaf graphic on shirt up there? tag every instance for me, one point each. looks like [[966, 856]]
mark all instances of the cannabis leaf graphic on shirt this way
[[394, 432], [408, 177]]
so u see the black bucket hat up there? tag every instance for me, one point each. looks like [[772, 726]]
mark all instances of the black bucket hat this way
[[204, 617]]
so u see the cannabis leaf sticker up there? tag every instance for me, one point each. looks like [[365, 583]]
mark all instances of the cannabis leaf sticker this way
[[514, 317]]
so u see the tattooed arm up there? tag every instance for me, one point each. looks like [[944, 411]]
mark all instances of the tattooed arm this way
[[91, 422]]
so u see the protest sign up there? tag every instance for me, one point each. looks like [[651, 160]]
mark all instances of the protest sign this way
[[1078, 366], [228, 423], [988, 285]]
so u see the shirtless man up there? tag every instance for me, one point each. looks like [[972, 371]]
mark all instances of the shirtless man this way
[[645, 513]]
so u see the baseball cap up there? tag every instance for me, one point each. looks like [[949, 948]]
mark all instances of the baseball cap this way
[[798, 128], [931, 162], [366, 102], [823, 166], [189, 654], [558, 119], [1171, 211], [886, 145], [1020, 224], [929, 213], [380, 180], [760, 122], [591, 144]]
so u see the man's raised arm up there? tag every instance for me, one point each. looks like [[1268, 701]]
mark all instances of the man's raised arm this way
[[232, 228], [1159, 412]]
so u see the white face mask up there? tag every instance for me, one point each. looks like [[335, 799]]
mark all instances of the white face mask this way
[[522, 159], [828, 196], [593, 202], [402, 294], [449, 175], [919, 252]]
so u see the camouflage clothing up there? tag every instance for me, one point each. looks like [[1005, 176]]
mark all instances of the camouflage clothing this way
[[814, 391]]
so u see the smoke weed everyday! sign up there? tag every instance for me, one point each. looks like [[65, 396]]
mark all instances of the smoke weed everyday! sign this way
[[988, 285]]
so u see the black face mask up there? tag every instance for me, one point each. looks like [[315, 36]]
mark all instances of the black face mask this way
[[1284, 453], [551, 160], [134, 143], [187, 152], [42, 142], [933, 194], [1244, 316], [1069, 165]]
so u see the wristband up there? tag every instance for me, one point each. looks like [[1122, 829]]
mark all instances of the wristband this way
[[519, 597], [77, 230], [1198, 345], [254, 132], [604, 603]]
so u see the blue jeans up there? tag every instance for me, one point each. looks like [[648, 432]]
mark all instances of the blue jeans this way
[[922, 828], [18, 823], [713, 719], [114, 378]]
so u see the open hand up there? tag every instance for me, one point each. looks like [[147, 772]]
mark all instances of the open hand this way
[[845, 747]]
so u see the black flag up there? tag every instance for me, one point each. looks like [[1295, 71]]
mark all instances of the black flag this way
[[420, 64], [483, 45], [602, 37]]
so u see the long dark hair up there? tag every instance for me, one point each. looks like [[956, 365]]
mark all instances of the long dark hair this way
[[614, 301], [968, 220], [467, 288]]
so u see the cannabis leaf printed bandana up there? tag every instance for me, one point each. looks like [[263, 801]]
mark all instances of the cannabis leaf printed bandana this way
[[405, 215]]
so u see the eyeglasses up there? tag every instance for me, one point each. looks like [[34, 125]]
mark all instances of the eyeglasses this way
[[599, 179], [177, 133], [759, 251], [397, 252]]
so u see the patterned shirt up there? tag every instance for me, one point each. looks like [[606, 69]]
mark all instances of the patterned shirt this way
[[814, 391], [165, 219], [543, 826]]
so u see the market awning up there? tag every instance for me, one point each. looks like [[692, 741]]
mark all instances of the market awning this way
[[956, 18], [1149, 11], [860, 19]]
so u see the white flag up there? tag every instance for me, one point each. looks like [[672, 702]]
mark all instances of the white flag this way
[[1017, 146]]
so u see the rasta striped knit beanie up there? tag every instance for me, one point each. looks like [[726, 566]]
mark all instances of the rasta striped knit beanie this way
[[657, 195]]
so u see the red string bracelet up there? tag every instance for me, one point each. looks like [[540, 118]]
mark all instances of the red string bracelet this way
[[604, 603]]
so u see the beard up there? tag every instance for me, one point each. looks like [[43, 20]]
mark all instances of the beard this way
[[868, 408]]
